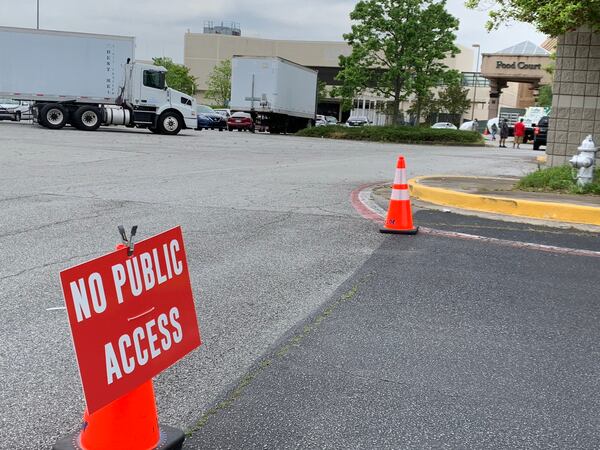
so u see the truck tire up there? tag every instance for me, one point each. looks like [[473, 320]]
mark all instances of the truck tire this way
[[53, 116], [169, 123], [87, 118]]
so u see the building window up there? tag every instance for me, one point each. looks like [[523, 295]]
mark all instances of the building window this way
[[471, 79]]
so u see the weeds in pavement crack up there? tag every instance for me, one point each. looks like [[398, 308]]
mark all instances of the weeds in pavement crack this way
[[294, 341]]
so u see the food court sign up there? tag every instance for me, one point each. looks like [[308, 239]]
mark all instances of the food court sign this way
[[517, 65]]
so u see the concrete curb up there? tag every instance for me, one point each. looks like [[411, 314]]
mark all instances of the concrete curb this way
[[561, 212]]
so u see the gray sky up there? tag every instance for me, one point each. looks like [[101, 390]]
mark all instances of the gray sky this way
[[159, 25]]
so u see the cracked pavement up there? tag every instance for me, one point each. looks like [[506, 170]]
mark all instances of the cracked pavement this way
[[269, 231]]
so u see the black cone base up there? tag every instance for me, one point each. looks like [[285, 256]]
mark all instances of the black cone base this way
[[170, 439], [412, 231]]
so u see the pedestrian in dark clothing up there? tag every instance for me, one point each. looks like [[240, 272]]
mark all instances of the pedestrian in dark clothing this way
[[503, 133]]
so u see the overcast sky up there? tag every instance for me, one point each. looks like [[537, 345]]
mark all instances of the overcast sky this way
[[159, 25]]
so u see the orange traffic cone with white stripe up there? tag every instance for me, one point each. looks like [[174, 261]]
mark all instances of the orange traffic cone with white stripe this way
[[399, 216]]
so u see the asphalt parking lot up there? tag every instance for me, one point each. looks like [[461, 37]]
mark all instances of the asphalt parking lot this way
[[269, 229]]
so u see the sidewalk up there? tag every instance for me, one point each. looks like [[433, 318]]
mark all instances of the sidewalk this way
[[497, 195], [433, 343]]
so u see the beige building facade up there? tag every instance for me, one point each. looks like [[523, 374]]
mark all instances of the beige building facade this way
[[203, 51]]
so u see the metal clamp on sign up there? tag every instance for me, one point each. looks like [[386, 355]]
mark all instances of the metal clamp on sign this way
[[128, 242]]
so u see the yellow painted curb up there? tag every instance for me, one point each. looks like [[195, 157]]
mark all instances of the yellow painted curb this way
[[562, 212]]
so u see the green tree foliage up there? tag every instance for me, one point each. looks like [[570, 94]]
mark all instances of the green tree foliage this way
[[454, 99], [178, 76], [553, 17], [219, 84], [425, 102], [322, 92], [397, 45], [545, 97]]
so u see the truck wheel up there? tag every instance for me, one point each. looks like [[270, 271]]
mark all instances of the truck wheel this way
[[169, 123], [87, 118], [53, 116]]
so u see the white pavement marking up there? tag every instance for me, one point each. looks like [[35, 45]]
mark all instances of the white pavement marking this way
[[365, 197], [56, 308]]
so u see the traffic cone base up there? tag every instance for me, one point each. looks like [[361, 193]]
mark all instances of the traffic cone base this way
[[412, 231], [170, 439]]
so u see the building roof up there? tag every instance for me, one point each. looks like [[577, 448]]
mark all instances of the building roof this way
[[524, 48]]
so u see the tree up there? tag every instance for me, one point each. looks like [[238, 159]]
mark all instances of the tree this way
[[432, 76], [553, 17], [423, 104], [396, 43], [322, 92], [178, 76], [454, 99], [545, 97], [219, 83]]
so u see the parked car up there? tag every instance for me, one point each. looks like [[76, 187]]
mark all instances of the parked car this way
[[444, 125], [240, 121], [14, 110], [540, 133], [357, 121], [331, 120], [321, 121], [224, 112], [208, 118]]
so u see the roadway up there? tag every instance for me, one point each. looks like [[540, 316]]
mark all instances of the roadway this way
[[270, 235]]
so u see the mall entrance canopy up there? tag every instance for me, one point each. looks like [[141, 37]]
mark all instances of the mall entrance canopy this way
[[521, 63]]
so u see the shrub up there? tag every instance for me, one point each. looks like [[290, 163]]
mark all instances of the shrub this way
[[558, 179], [395, 134]]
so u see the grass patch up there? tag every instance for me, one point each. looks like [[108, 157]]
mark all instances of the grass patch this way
[[558, 179], [396, 134]]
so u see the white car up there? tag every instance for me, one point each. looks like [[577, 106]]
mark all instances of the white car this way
[[224, 112], [444, 125], [14, 110], [321, 121], [468, 126]]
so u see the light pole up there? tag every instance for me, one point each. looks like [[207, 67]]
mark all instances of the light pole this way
[[474, 80], [38, 14]]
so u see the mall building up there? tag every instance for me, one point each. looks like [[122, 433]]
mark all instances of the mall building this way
[[508, 78]]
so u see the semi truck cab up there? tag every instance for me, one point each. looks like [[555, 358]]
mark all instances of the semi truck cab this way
[[151, 98]]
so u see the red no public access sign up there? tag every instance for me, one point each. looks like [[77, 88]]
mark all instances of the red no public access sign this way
[[131, 317]]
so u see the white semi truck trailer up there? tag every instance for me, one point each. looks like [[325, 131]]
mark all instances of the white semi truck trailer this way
[[89, 80], [280, 95]]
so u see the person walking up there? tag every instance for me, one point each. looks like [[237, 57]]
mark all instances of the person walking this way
[[519, 133], [494, 131], [503, 133]]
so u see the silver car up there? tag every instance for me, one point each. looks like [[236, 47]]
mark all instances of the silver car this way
[[14, 110]]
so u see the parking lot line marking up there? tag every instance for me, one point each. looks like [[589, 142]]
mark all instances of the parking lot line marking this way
[[56, 308], [367, 208]]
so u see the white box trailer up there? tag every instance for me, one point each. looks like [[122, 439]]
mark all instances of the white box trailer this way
[[89, 80], [282, 95]]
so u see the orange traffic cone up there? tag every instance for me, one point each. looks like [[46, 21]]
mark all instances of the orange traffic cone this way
[[128, 423], [399, 216]]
